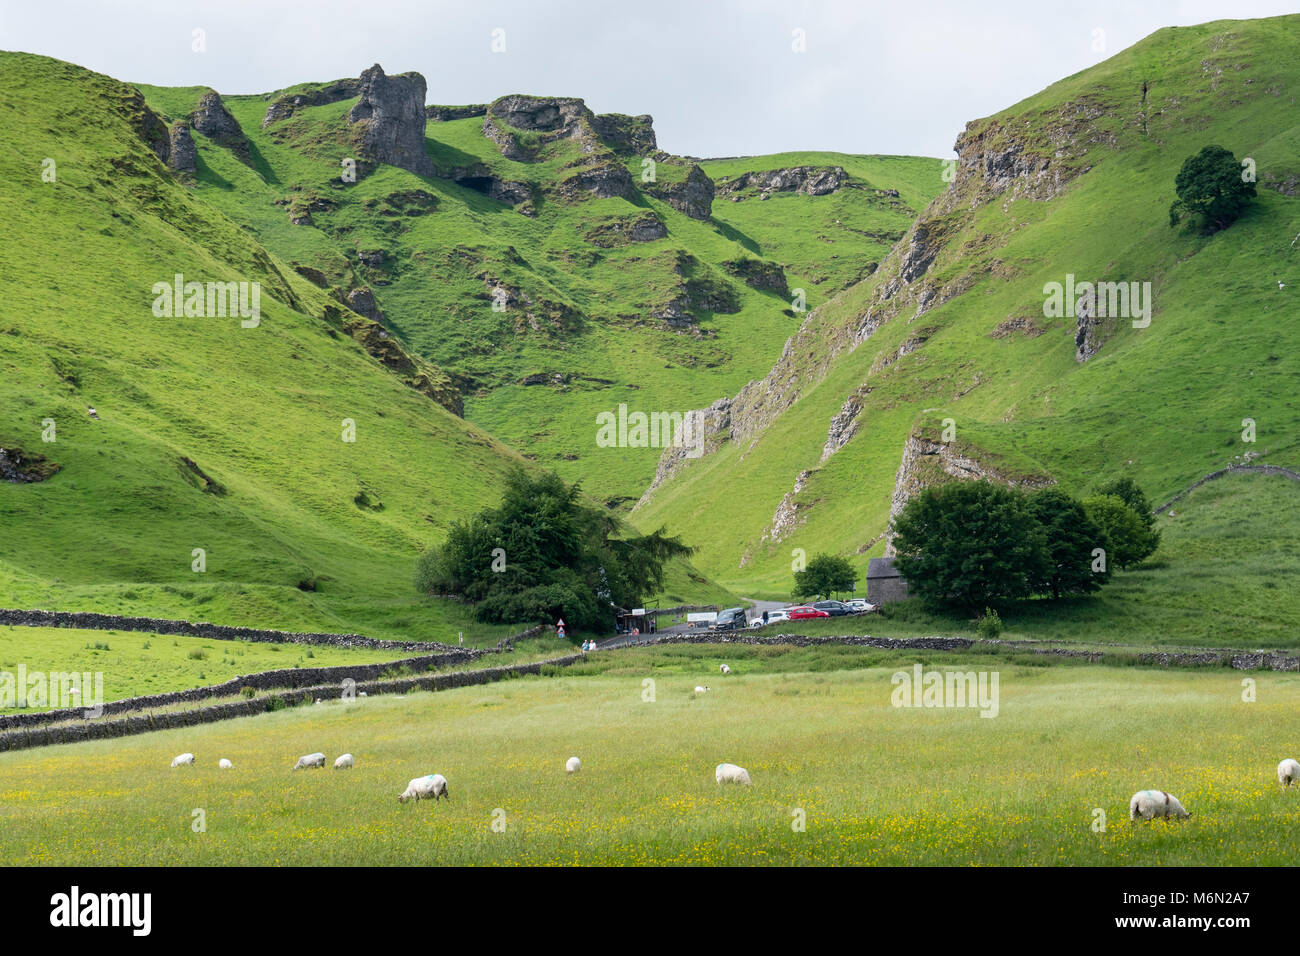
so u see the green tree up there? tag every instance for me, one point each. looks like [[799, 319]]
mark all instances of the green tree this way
[[1071, 537], [1133, 496], [1131, 542], [543, 554], [970, 544], [824, 575], [1210, 187]]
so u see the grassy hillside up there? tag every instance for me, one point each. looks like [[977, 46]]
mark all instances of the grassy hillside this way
[[580, 326], [878, 784], [1076, 180], [209, 435]]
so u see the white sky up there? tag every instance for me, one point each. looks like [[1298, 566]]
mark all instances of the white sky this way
[[719, 76]]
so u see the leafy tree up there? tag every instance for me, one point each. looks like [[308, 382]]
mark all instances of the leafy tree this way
[[970, 544], [544, 554], [1135, 498], [1131, 541], [1210, 187], [824, 575], [1071, 537]]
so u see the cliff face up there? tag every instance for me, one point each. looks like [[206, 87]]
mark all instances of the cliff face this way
[[927, 462], [389, 118], [692, 195], [213, 120]]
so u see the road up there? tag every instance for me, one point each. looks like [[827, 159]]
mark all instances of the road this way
[[627, 640]]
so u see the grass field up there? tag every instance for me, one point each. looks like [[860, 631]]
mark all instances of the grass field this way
[[815, 728]]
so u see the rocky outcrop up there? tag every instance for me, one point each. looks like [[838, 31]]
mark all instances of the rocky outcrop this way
[[628, 135], [362, 302], [927, 462], [317, 95], [698, 292], [760, 274], [213, 120], [808, 180], [646, 227], [844, 425], [182, 157], [481, 179], [1089, 328], [692, 196], [786, 518], [312, 275], [603, 177], [389, 120], [550, 118], [20, 467], [714, 424], [446, 114]]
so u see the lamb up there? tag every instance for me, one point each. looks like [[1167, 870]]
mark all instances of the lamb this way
[[310, 760], [344, 762], [183, 760], [572, 765], [730, 773], [725, 669], [1288, 772], [422, 788], [1149, 804], [225, 764]]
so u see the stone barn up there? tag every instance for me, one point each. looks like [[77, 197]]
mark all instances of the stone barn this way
[[884, 583]]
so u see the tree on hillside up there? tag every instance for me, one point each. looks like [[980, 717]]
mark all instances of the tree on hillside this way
[[543, 554], [1127, 490], [824, 575], [970, 544], [1211, 187], [1071, 536], [1131, 541]]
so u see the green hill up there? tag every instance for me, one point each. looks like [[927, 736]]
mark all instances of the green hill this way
[[1076, 180]]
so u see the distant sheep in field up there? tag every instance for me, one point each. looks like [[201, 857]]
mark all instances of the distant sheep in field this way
[[423, 788], [184, 760], [572, 765], [225, 764], [1149, 804], [1288, 772], [725, 669], [344, 762], [699, 689], [730, 773], [310, 760]]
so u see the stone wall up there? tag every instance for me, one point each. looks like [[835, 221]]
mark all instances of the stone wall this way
[[100, 729], [90, 620]]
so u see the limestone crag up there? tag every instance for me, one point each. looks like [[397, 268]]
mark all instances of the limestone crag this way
[[389, 120], [213, 120], [786, 518], [318, 95], [446, 114], [809, 180], [182, 157], [692, 195]]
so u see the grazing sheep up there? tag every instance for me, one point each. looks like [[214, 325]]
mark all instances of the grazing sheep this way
[[725, 669], [422, 788], [184, 760], [699, 689], [1288, 772], [1149, 804], [730, 773], [310, 760], [572, 765], [344, 762], [225, 764]]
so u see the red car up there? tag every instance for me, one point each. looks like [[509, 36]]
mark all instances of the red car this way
[[805, 612]]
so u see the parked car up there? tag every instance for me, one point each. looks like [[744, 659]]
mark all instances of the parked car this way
[[862, 606], [833, 608], [732, 619], [781, 614], [805, 612]]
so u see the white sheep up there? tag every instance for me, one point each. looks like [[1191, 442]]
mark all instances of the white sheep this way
[[225, 764], [344, 762], [699, 689], [572, 765], [422, 788], [1288, 772], [730, 773], [183, 760], [1149, 804], [310, 760], [725, 669]]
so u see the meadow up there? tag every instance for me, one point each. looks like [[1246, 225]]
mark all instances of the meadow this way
[[876, 784]]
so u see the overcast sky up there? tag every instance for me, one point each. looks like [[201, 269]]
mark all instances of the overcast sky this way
[[720, 77]]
